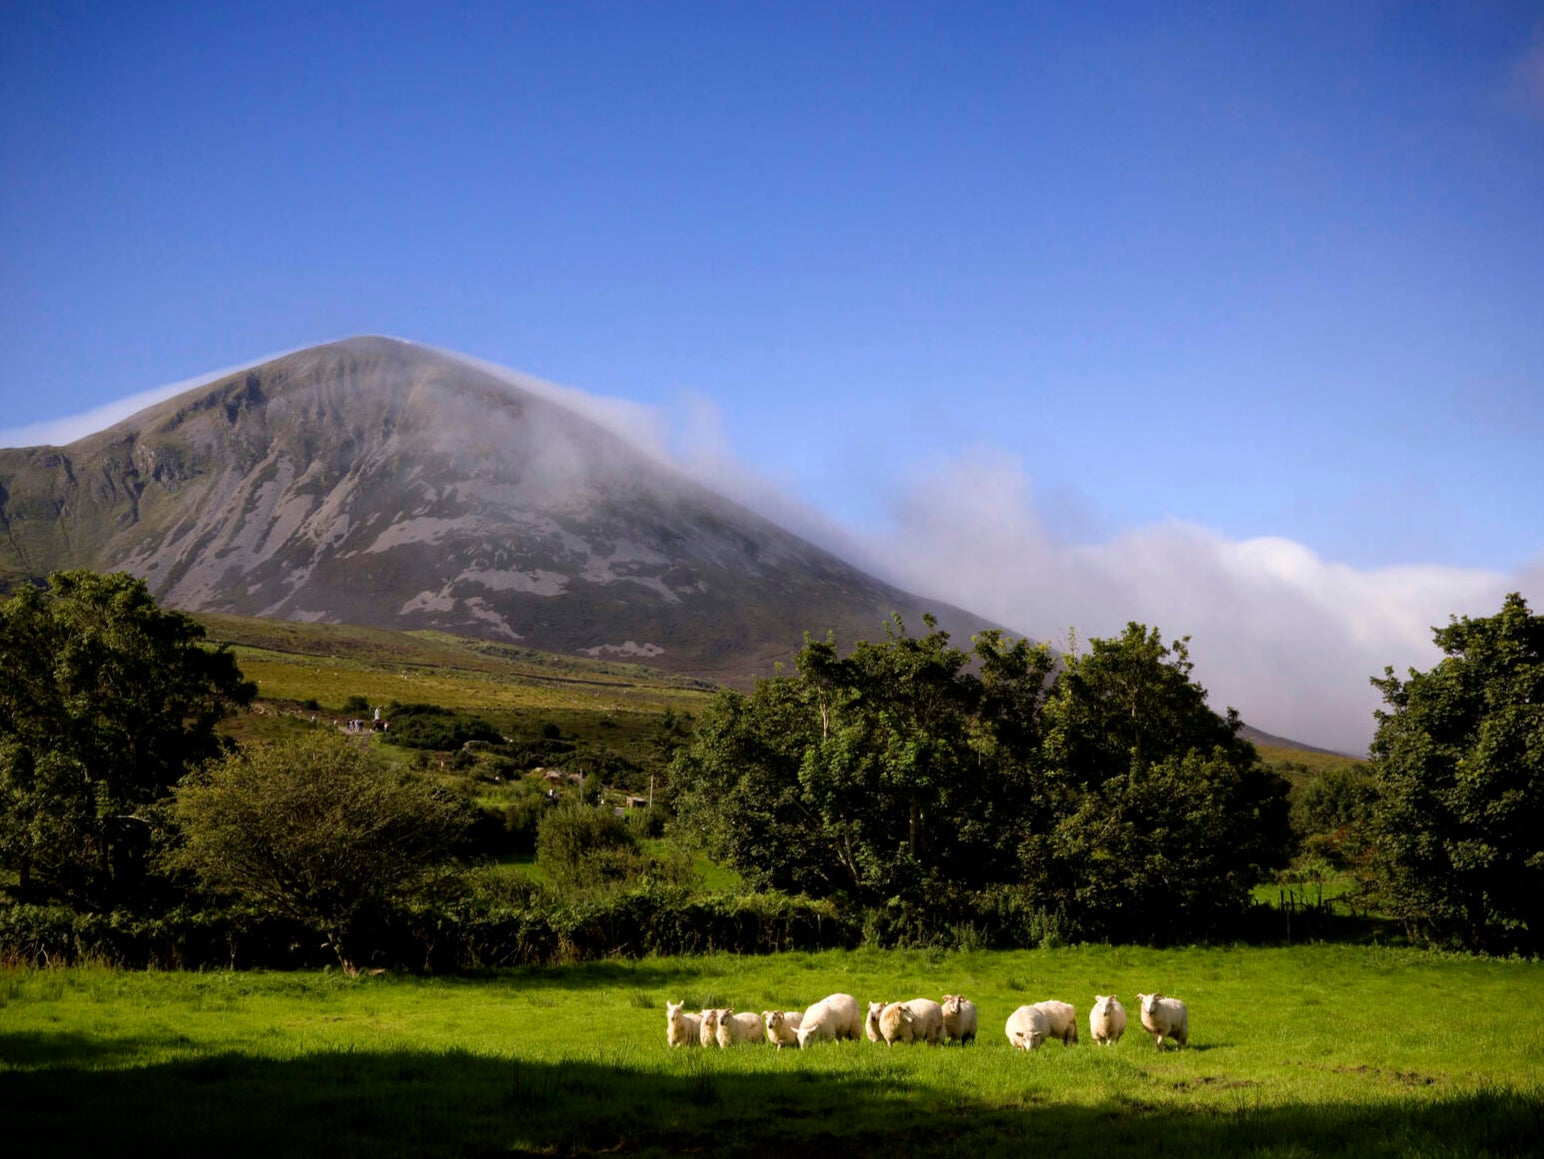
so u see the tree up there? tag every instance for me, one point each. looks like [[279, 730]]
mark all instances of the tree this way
[[1458, 760], [1164, 817], [319, 830], [737, 792], [105, 701], [895, 771]]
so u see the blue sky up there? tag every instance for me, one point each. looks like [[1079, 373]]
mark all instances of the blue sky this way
[[1129, 294]]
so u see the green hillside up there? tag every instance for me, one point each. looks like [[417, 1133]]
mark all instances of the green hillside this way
[[326, 670]]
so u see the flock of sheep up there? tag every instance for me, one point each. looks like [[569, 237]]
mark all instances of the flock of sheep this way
[[922, 1020]]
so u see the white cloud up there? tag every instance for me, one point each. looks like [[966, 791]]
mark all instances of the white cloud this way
[[643, 426], [1288, 638]]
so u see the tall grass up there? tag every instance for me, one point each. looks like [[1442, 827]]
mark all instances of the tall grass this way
[[1307, 1050]]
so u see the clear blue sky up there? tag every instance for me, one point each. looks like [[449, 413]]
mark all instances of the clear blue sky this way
[[1263, 269]]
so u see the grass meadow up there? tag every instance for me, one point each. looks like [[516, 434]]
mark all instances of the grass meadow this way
[[1307, 1050]]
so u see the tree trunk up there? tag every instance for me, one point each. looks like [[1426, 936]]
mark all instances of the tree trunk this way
[[345, 959]]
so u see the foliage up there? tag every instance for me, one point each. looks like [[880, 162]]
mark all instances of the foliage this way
[[873, 775], [428, 726], [588, 849], [105, 701], [1167, 818], [319, 830], [1333, 813], [510, 827], [902, 776], [1458, 760]]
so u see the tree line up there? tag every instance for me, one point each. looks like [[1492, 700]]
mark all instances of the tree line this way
[[1093, 792], [907, 790]]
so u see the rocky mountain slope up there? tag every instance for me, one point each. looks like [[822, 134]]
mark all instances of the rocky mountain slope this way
[[376, 482]]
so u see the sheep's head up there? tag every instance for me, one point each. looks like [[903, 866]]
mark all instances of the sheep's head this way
[[874, 1011], [895, 1016], [1149, 1001]]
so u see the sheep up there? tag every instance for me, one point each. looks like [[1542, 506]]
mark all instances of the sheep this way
[[1107, 1020], [1165, 1017], [736, 1028], [681, 1029], [959, 1019], [834, 1016], [927, 1020], [1061, 1020], [781, 1026], [708, 1026], [919, 1020], [871, 1023], [895, 1024], [1026, 1028]]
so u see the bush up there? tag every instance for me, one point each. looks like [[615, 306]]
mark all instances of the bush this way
[[427, 726]]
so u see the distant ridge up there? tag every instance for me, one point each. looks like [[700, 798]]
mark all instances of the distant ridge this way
[[377, 482], [1257, 736]]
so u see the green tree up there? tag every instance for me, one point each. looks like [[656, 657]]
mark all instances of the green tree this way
[[737, 792], [1164, 816], [1458, 760], [319, 830], [874, 775], [106, 700]]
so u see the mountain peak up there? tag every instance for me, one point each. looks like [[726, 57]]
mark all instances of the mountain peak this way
[[376, 481]]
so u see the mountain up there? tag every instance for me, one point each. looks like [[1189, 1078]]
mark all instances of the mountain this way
[[377, 482]]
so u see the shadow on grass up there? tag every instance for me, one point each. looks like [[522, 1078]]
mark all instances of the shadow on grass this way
[[417, 1103]]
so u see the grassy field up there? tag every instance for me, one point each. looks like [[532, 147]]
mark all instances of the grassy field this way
[[1303, 1051]]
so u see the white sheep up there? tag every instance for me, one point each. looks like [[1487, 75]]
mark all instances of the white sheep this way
[[1026, 1028], [1061, 1020], [781, 1027], [919, 1020], [737, 1028], [959, 1019], [834, 1016], [871, 1023], [708, 1026], [681, 1028], [1107, 1020], [895, 1024], [1165, 1018], [927, 1020]]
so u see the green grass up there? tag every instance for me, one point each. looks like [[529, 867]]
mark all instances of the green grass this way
[[1302, 1051]]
